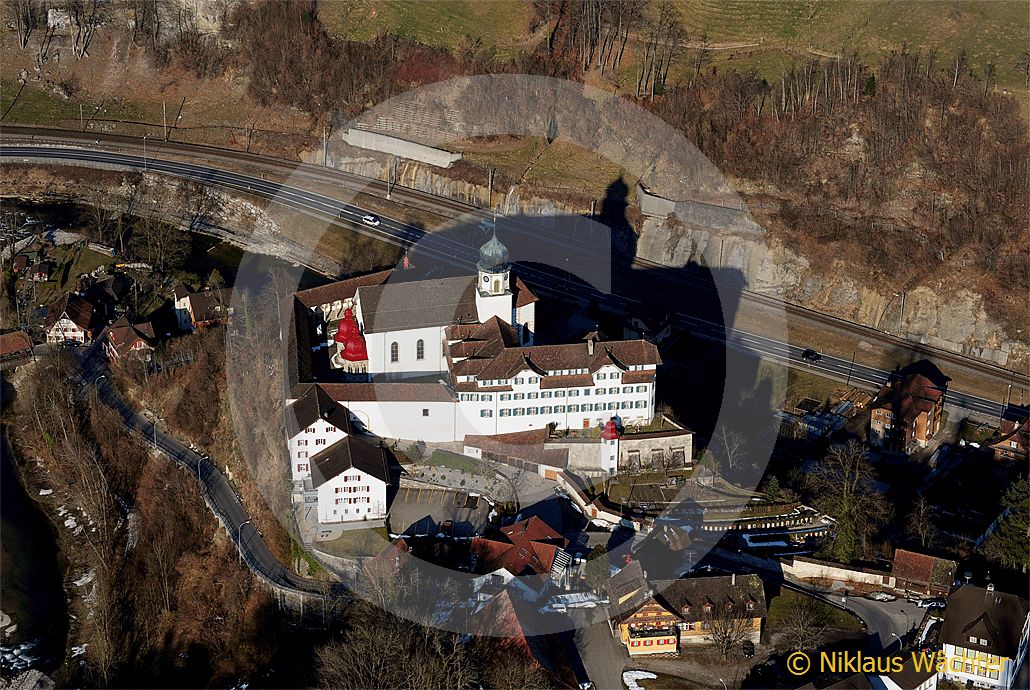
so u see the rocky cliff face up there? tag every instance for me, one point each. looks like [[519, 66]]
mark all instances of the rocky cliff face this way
[[948, 317], [427, 178]]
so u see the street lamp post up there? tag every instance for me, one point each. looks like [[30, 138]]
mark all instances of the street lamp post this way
[[239, 540], [144, 153]]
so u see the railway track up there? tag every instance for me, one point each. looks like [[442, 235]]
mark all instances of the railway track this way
[[451, 209]]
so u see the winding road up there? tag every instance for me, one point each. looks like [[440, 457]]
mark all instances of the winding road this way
[[219, 495]]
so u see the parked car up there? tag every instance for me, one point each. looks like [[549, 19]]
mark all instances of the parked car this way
[[747, 648], [811, 356], [881, 596], [931, 604], [370, 220]]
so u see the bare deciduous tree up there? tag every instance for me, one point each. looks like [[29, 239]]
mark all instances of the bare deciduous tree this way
[[728, 625], [87, 16], [921, 522], [804, 624]]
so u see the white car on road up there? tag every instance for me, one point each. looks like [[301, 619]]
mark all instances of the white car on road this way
[[370, 220]]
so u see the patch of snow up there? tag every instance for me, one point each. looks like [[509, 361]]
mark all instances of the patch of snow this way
[[70, 523], [85, 579], [45, 492], [630, 678]]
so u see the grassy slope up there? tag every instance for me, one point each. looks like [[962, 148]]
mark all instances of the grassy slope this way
[[502, 24], [989, 32]]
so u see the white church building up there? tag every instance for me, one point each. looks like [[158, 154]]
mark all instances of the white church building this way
[[439, 359]]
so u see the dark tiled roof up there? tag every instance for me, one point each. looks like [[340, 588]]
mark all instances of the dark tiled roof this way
[[909, 676], [341, 289], [123, 335], [695, 592], [315, 404], [211, 305], [418, 304], [77, 309], [990, 615], [348, 452], [625, 583]]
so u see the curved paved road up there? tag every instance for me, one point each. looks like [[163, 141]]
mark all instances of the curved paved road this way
[[456, 253], [218, 493]]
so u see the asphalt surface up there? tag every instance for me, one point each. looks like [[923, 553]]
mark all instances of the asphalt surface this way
[[219, 495], [451, 251]]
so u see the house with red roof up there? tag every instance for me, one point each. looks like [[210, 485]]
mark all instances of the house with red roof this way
[[123, 338], [908, 411], [14, 344], [528, 553], [924, 575]]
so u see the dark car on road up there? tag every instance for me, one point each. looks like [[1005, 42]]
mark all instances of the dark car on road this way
[[811, 356]]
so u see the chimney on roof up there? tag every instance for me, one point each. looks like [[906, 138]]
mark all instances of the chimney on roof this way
[[590, 346], [733, 579]]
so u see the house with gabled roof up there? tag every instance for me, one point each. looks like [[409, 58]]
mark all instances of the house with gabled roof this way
[[529, 550], [660, 617], [1012, 441], [985, 636], [909, 408], [345, 471], [14, 344], [70, 319], [195, 310], [123, 338]]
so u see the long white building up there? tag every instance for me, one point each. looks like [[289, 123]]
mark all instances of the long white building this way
[[440, 359]]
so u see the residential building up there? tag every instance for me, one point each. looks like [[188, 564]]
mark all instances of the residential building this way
[[909, 408], [200, 309], [658, 620], [529, 550], [917, 573], [40, 272], [345, 474], [1012, 442], [14, 344], [123, 338], [70, 319], [350, 479], [984, 636], [20, 263]]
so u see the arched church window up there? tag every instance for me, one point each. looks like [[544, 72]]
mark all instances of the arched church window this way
[[394, 352], [420, 349]]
